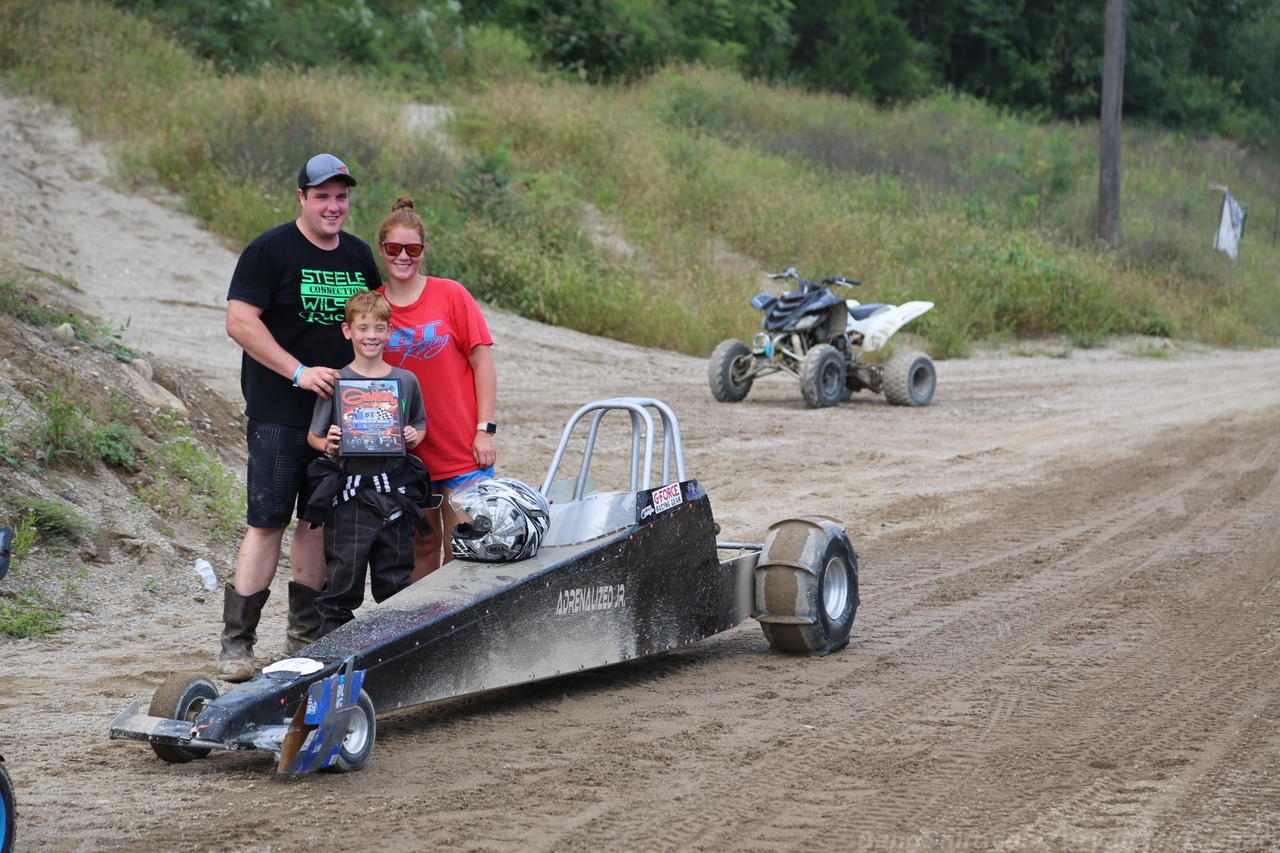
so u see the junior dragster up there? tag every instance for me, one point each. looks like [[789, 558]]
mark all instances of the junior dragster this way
[[620, 575]]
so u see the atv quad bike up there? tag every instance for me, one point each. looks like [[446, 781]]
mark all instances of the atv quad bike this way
[[819, 338]]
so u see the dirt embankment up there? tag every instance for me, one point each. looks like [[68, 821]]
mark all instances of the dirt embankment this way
[[1067, 639]]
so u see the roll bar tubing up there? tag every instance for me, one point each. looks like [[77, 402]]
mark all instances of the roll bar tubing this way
[[638, 409]]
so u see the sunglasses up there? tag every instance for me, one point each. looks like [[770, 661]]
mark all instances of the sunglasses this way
[[393, 249]]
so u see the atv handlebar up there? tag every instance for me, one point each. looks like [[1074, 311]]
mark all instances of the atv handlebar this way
[[805, 284]]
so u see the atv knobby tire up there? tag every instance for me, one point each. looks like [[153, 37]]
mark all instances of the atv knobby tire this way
[[181, 697], [909, 379], [729, 371], [806, 586], [822, 376]]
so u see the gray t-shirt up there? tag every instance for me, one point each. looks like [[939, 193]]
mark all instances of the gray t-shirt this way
[[413, 413]]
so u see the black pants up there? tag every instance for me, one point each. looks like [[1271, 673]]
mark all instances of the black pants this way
[[356, 536]]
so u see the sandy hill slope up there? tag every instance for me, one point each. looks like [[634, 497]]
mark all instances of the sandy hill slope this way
[[1067, 638]]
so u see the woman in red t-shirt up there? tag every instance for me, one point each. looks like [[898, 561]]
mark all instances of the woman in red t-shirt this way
[[439, 334]]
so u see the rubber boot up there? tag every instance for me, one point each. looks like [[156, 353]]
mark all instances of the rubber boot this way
[[240, 615], [304, 618]]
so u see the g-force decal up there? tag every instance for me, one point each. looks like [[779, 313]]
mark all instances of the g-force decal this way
[[325, 293], [591, 598], [667, 497]]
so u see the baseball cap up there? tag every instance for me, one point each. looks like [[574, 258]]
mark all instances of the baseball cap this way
[[321, 168]]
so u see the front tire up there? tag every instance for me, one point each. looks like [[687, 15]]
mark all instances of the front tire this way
[[909, 379], [806, 586], [181, 697], [729, 371], [822, 376], [8, 811], [362, 729]]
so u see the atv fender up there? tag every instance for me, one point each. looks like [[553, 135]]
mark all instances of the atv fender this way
[[880, 327]]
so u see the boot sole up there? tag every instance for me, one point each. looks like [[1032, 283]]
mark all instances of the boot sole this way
[[235, 670]]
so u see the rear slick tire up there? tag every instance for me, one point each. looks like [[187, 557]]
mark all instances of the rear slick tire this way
[[728, 371], [822, 376], [909, 379], [806, 586], [181, 697]]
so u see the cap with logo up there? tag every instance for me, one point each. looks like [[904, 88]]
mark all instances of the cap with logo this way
[[321, 168]]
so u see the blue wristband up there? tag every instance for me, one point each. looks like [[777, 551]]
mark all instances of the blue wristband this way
[[297, 374]]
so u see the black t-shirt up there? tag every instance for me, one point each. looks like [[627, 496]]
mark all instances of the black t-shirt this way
[[302, 290]]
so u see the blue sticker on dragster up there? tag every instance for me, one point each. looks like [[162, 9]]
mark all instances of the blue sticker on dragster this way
[[329, 704]]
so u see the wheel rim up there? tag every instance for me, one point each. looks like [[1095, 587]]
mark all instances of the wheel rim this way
[[357, 732], [738, 370], [835, 588], [831, 381], [195, 708], [919, 382]]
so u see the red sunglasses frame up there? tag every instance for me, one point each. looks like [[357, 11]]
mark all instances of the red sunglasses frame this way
[[413, 249]]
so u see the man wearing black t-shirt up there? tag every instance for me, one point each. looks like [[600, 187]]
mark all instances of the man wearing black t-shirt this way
[[285, 308]]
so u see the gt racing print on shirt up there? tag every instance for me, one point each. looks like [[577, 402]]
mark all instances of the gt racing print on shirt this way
[[416, 342], [325, 293]]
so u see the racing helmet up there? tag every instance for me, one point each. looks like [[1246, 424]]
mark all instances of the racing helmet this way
[[504, 520]]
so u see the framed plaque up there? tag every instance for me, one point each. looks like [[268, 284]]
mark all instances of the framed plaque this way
[[369, 414]]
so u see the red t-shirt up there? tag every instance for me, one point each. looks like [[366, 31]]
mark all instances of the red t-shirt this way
[[433, 339]]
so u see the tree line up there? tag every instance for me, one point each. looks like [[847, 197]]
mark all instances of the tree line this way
[[1200, 66]]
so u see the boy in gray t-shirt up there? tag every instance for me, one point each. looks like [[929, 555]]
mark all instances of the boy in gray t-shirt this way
[[371, 504]]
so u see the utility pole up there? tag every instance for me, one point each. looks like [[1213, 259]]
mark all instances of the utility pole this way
[[1109, 147]]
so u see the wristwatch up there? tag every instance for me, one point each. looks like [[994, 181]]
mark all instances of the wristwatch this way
[[488, 427]]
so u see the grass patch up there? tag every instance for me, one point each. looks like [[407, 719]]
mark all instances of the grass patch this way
[[189, 480], [31, 614], [57, 524]]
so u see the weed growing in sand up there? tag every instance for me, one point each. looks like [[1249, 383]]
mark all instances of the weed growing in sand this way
[[57, 524], [116, 444], [20, 301], [71, 585], [62, 430], [69, 431], [10, 451], [31, 614], [105, 337], [24, 537], [190, 480]]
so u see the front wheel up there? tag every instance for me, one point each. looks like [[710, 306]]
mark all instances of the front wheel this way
[[362, 728], [181, 697], [729, 371], [8, 811], [806, 586], [822, 376], [909, 379]]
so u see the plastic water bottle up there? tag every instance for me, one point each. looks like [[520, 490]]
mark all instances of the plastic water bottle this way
[[205, 571]]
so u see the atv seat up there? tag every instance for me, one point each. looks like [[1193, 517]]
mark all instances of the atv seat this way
[[862, 312]]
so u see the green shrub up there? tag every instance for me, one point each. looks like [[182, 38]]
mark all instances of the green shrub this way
[[57, 523], [31, 614], [189, 480], [116, 444]]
